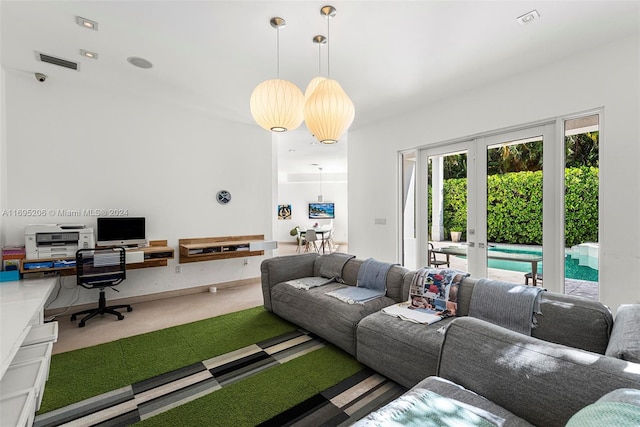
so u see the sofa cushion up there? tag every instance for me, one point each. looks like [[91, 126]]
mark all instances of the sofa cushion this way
[[403, 351], [424, 407], [618, 408], [625, 337], [323, 315], [565, 319], [280, 269], [473, 401], [395, 277], [511, 369]]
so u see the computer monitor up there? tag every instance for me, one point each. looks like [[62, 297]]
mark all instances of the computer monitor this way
[[121, 231]]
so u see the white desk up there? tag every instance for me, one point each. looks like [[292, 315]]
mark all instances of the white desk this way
[[21, 305]]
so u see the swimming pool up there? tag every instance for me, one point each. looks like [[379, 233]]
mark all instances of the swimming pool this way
[[572, 269]]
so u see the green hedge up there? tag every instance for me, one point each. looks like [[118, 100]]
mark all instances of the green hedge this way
[[514, 206]]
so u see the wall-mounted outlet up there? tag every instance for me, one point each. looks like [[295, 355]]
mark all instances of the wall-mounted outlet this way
[[246, 261], [178, 269]]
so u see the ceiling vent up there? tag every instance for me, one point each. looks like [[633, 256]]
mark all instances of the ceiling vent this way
[[528, 17], [57, 61]]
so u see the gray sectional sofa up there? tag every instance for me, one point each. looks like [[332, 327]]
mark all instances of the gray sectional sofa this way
[[516, 380], [541, 379]]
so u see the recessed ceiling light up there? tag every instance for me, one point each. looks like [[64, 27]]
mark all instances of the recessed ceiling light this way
[[87, 23], [528, 17], [292, 150], [88, 54], [139, 62]]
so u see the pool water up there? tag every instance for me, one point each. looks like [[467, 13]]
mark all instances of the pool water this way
[[571, 268]]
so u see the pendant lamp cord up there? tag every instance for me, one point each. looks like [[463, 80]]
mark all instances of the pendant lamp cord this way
[[278, 52], [328, 45]]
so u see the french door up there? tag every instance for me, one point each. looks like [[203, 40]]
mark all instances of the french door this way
[[475, 163]]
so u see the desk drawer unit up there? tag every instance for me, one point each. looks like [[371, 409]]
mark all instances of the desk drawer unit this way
[[18, 409]]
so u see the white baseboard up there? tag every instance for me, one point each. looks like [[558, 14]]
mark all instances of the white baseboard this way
[[149, 297]]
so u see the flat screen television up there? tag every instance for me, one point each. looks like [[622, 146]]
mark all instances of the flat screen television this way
[[121, 231], [322, 211]]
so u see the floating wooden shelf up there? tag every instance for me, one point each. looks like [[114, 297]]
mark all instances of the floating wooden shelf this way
[[155, 255], [212, 248]]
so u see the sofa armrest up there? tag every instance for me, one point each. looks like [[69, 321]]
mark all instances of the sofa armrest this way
[[542, 382], [625, 336], [282, 268]]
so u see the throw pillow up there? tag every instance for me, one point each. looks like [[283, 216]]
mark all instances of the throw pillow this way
[[618, 408], [625, 338]]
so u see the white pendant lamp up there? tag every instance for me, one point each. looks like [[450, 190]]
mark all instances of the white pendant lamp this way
[[328, 111], [277, 105]]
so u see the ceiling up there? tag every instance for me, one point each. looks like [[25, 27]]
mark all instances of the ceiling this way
[[389, 56]]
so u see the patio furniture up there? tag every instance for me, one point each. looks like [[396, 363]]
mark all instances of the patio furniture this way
[[533, 259], [528, 276], [434, 261]]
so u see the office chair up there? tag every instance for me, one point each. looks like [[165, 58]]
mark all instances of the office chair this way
[[98, 269], [433, 261]]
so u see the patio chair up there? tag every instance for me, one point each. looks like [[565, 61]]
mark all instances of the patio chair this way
[[434, 261], [529, 276]]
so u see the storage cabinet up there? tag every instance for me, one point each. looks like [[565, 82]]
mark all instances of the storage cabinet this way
[[26, 349], [213, 248]]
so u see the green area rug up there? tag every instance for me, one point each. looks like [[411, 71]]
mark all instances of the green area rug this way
[[263, 396], [83, 373], [242, 369]]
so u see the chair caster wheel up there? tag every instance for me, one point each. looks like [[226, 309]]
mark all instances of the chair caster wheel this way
[[129, 309], [81, 325], [120, 317], [73, 318]]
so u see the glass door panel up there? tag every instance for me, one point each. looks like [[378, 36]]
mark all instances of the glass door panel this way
[[581, 206], [409, 242], [514, 207], [446, 211]]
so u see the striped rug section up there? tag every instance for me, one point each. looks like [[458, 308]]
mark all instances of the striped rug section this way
[[342, 404], [148, 398]]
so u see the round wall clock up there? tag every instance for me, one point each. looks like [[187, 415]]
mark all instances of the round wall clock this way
[[223, 197]]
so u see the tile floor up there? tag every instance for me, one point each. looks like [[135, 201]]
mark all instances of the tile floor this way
[[160, 314]]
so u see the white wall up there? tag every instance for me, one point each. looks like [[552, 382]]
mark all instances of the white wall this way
[[606, 76], [3, 157], [299, 194], [73, 148]]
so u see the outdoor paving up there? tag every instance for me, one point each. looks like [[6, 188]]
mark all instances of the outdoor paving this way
[[580, 288]]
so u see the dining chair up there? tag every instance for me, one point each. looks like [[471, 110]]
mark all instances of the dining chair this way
[[301, 240], [311, 237], [328, 240]]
